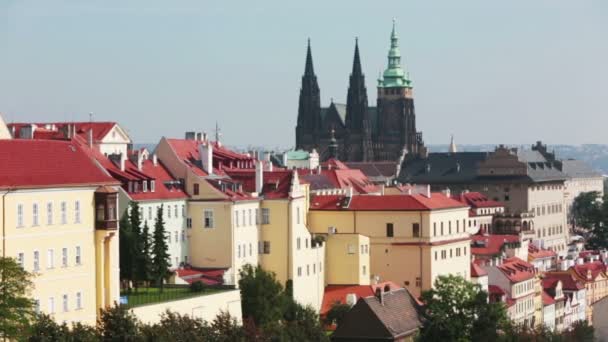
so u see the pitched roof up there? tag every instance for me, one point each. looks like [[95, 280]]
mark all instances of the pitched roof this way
[[477, 271], [337, 293], [397, 316], [414, 202], [569, 283], [592, 268], [490, 245], [516, 270], [539, 253], [277, 184], [476, 200], [37, 163], [547, 299], [377, 171], [164, 183], [53, 130], [579, 169]]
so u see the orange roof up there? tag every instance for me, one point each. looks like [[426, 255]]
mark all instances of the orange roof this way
[[516, 270], [414, 202], [490, 245], [476, 200], [100, 129], [547, 299], [569, 283], [477, 271], [591, 268], [162, 187], [538, 253], [338, 293]]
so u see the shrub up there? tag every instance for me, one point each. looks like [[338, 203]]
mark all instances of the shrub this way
[[197, 286]]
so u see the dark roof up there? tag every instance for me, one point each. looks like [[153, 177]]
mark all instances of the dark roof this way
[[397, 316], [441, 168], [578, 169]]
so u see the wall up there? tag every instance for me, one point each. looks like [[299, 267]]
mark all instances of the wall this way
[[206, 307], [114, 142], [211, 247], [600, 320], [59, 280], [550, 226], [347, 259]]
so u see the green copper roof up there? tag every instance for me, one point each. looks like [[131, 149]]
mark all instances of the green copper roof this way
[[297, 155], [394, 76]]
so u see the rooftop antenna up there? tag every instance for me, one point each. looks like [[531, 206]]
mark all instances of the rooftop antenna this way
[[90, 116], [218, 133]]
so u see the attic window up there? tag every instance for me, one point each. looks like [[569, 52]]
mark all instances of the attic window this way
[[152, 186], [145, 186]]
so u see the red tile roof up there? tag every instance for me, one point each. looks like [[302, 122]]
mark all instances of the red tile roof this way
[[161, 176], [100, 129], [592, 268], [37, 163], [277, 184], [539, 253], [477, 271], [337, 293], [490, 245], [547, 299], [415, 202], [495, 290], [207, 277], [476, 200], [516, 270], [568, 281]]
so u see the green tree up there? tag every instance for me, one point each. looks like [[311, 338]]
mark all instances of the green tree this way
[[586, 210], [118, 324], [126, 256], [146, 253], [336, 313], [302, 324], [45, 329], [262, 297], [455, 307], [16, 308], [580, 331], [160, 250]]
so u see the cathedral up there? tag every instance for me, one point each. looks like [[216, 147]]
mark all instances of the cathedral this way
[[356, 131]]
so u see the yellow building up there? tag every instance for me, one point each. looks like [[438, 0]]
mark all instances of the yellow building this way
[[413, 238], [59, 221]]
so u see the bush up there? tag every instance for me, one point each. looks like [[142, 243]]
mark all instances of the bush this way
[[197, 286]]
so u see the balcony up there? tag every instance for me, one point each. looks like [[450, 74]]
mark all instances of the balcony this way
[[105, 208]]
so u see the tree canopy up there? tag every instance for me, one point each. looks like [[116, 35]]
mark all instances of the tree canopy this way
[[16, 307]]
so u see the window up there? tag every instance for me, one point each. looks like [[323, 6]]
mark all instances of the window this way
[[299, 271], [149, 212], [418, 282], [257, 220], [208, 223], [435, 255], [144, 186], [362, 249], [434, 228], [50, 258], [239, 249], [176, 237], [188, 222], [298, 243], [265, 216], [457, 226], [136, 186], [244, 219], [175, 211], [306, 242], [21, 260], [449, 227], [236, 218], [51, 305], [351, 249], [77, 212], [19, 215], [36, 261], [195, 188], [78, 258], [416, 229], [64, 216], [78, 300], [249, 216], [298, 215], [441, 228], [465, 251], [169, 238], [65, 303], [183, 236], [64, 257], [266, 247], [35, 214], [49, 213], [307, 270], [457, 252], [389, 230], [450, 252], [364, 270], [169, 211], [250, 249], [183, 210], [152, 185]]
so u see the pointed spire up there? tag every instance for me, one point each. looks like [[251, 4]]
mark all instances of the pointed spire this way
[[309, 70], [452, 148], [357, 60]]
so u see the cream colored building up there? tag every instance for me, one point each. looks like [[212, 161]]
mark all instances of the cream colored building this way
[[60, 223], [581, 178], [4, 132], [413, 238]]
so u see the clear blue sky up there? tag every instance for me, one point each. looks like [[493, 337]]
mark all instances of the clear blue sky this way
[[486, 71]]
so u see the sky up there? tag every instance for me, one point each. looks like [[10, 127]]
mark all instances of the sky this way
[[508, 72]]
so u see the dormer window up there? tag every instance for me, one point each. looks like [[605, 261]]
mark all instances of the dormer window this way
[[130, 186], [152, 185], [145, 186], [135, 186]]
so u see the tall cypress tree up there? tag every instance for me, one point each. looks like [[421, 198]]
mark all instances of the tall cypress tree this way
[[160, 250], [137, 244], [126, 248], [146, 257]]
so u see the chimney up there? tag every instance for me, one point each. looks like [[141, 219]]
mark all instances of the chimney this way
[[206, 154], [269, 166], [580, 261], [155, 160], [91, 139], [122, 156], [428, 191], [205, 138], [447, 192], [190, 136], [199, 136], [380, 295], [349, 192], [285, 158], [259, 176], [140, 160], [351, 299]]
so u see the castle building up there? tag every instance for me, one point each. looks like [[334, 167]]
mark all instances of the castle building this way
[[360, 132]]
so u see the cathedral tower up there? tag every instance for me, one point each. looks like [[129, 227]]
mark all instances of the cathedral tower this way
[[309, 108], [396, 115]]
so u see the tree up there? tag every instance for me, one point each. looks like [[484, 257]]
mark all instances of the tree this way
[[580, 331], [16, 308], [455, 307], [586, 210], [45, 329], [262, 296], [145, 269], [160, 250], [127, 256], [336, 313], [118, 324]]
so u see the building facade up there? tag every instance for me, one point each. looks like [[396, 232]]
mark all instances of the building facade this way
[[355, 131]]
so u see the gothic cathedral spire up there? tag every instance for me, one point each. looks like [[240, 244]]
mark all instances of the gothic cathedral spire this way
[[309, 108]]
